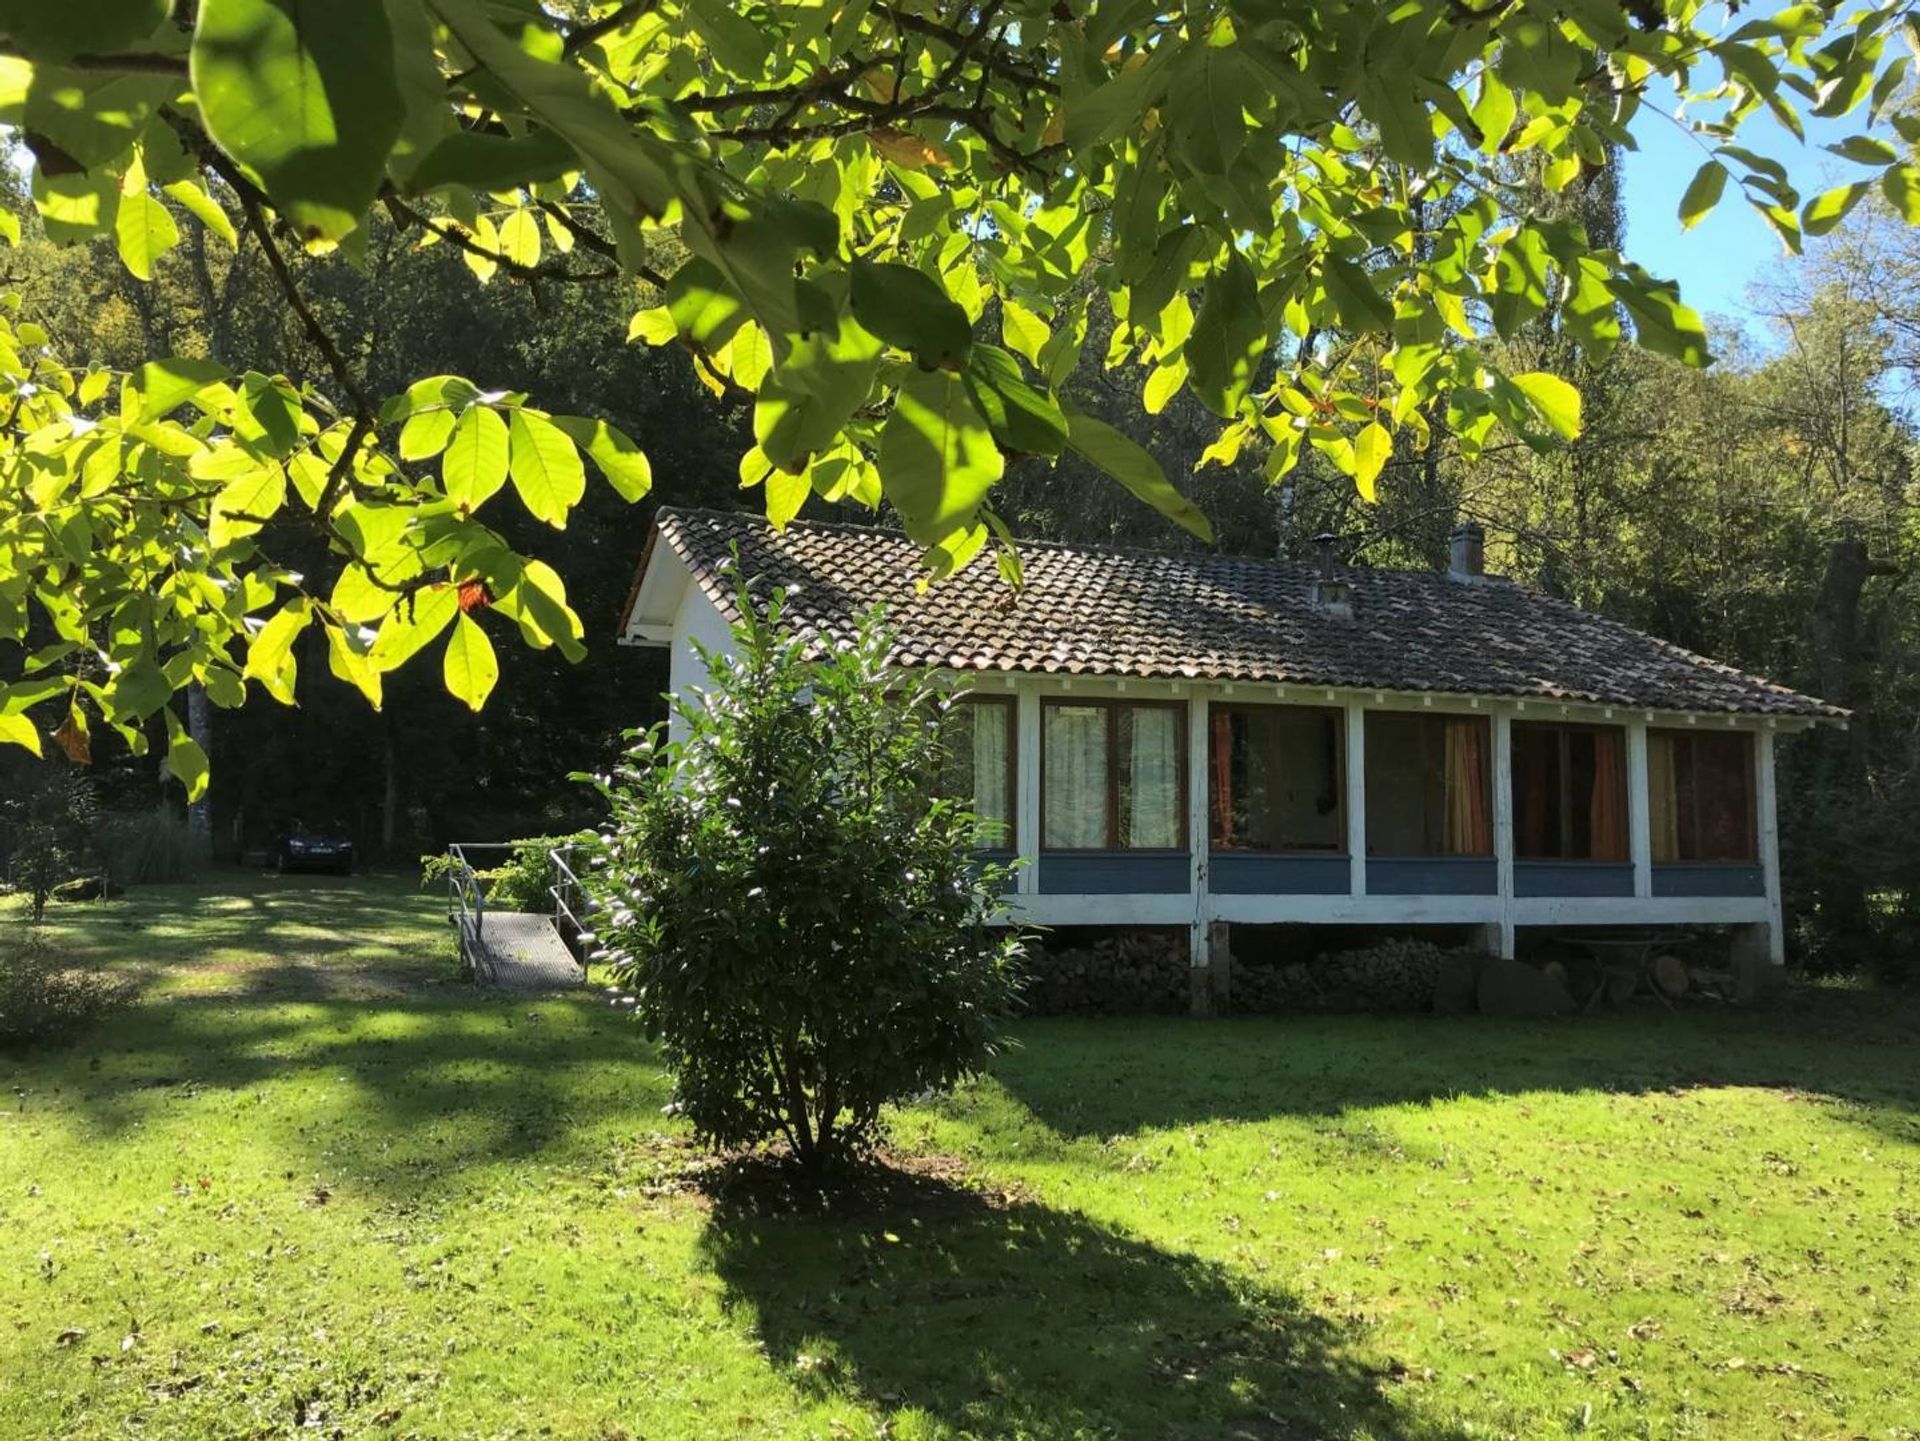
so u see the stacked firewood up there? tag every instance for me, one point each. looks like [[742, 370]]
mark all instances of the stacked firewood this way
[[1117, 972], [1392, 975]]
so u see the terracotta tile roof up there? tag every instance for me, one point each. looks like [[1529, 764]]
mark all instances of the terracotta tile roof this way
[[1091, 611]]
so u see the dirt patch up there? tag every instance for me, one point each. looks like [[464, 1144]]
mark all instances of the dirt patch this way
[[765, 1182]]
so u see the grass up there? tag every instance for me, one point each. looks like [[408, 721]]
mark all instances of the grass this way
[[311, 1183]]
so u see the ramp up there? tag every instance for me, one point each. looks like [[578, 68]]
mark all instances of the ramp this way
[[521, 951]]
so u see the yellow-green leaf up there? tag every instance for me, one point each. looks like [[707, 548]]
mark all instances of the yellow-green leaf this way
[[520, 239], [1372, 448], [202, 207], [20, 730], [469, 666], [412, 623], [475, 465], [545, 467], [144, 231], [1557, 401]]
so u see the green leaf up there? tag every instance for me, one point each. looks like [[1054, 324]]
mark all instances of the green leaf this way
[[246, 503], [1106, 449], [1556, 400], [1222, 349], [475, 465], [426, 434], [1024, 419], [1024, 332], [19, 730], [623, 463], [302, 93], [786, 493], [270, 658], [1703, 193], [519, 239], [704, 310], [469, 666], [185, 759], [545, 467], [412, 624], [1825, 212], [1372, 449], [937, 457], [539, 603], [1359, 306], [144, 230], [493, 162], [161, 385], [1901, 186], [907, 308], [804, 404], [1865, 150]]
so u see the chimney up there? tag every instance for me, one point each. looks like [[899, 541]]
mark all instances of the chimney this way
[[1330, 593], [1469, 560]]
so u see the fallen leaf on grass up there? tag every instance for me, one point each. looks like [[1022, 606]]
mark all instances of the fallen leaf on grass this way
[[70, 1335]]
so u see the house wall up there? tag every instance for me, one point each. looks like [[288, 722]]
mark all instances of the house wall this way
[[696, 621], [1198, 889]]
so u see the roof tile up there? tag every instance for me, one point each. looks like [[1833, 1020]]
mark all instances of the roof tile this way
[[1096, 611]]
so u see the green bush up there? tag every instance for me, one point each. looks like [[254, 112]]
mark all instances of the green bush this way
[[147, 847], [44, 998], [519, 884], [801, 926]]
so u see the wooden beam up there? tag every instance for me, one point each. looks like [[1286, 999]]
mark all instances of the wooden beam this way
[[1639, 809]]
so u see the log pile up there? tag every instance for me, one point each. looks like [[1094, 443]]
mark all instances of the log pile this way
[[1135, 972], [1393, 975]]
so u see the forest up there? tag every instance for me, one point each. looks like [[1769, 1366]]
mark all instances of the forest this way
[[1760, 511]]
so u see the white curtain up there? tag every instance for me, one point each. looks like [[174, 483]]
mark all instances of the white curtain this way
[[1152, 817], [1076, 769], [990, 773]]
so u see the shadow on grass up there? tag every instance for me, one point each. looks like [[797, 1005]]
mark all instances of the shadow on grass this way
[[1100, 1078], [997, 1316], [343, 996]]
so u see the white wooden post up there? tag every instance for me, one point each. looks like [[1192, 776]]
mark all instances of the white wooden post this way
[[1503, 828], [1639, 809], [1200, 933], [1356, 798], [1026, 801], [1769, 820]]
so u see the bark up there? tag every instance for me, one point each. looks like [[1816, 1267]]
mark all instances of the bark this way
[[200, 812]]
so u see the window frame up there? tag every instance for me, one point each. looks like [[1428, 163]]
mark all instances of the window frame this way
[[1750, 795], [1112, 706], [1563, 729], [1433, 718], [1341, 759], [1008, 704]]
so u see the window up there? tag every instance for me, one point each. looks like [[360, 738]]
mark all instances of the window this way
[[1700, 793], [1569, 792], [1275, 778], [979, 766], [1429, 784], [1113, 776]]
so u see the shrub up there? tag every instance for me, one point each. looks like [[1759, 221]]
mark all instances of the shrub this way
[[40, 863], [520, 884], [802, 926], [147, 847], [43, 998]]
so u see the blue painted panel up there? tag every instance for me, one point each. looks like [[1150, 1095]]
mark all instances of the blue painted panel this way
[[1572, 878], [1116, 873], [1710, 878], [1236, 873], [1432, 876]]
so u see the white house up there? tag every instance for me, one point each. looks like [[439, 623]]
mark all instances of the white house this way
[[1203, 739]]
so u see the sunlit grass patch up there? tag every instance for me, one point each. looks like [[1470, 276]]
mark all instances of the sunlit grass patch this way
[[310, 1182]]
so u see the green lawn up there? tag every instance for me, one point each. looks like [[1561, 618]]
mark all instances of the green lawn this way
[[312, 1181]]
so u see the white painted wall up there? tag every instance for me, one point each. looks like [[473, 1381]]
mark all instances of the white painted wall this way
[[697, 619]]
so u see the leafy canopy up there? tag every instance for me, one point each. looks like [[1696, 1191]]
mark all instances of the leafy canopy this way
[[882, 220], [806, 933]]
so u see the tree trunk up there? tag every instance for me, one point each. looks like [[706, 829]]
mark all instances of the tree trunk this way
[[200, 812]]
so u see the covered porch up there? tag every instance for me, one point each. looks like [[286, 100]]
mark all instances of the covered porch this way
[[1202, 803]]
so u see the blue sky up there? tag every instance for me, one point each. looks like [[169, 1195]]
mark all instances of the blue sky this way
[[1720, 258]]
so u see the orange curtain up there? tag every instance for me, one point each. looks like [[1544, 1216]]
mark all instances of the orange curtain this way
[[1609, 805], [1220, 771], [1469, 830]]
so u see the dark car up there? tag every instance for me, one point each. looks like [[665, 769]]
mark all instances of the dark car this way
[[316, 848]]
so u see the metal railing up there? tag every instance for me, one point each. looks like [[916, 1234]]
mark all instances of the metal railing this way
[[467, 898], [569, 897]]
